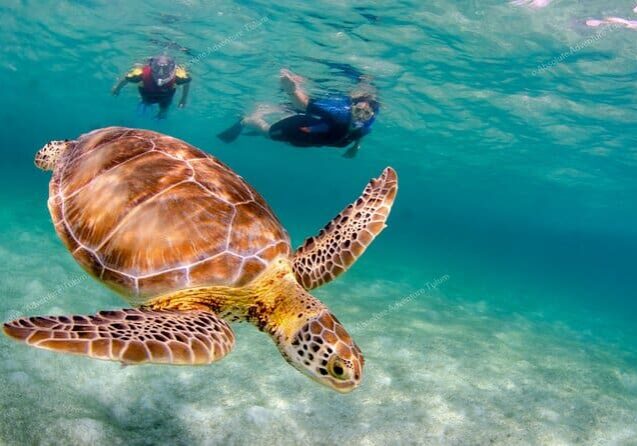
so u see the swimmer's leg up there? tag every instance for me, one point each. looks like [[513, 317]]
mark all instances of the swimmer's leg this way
[[291, 84], [251, 122], [256, 122], [232, 132], [164, 105], [162, 113], [163, 110], [142, 108]]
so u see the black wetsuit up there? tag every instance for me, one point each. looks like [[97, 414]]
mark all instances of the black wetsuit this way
[[326, 122]]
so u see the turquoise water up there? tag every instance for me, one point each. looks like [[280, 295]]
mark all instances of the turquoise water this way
[[512, 129]]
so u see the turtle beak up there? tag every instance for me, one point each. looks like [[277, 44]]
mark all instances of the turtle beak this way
[[324, 351]]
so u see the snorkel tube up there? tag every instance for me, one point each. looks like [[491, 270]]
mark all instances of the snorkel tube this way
[[163, 69]]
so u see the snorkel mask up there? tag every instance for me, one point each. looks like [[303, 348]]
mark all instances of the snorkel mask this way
[[364, 112], [162, 69]]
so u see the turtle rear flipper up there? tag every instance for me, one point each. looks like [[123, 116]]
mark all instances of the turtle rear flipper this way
[[344, 239], [131, 336]]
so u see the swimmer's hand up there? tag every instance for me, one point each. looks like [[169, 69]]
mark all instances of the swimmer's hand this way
[[118, 86], [352, 151], [182, 104]]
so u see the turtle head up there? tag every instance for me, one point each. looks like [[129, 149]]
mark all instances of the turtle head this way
[[307, 334], [323, 350], [48, 156]]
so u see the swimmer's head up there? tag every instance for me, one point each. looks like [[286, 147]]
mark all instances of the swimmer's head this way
[[362, 111], [163, 69], [364, 107]]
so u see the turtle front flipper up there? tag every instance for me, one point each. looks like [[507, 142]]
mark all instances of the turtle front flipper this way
[[131, 336], [344, 239]]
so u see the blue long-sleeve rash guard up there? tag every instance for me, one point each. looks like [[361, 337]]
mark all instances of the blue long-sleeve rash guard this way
[[336, 110]]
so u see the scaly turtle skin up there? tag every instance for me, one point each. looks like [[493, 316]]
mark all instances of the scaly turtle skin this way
[[192, 246]]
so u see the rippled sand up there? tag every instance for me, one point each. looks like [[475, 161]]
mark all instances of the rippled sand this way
[[440, 370]]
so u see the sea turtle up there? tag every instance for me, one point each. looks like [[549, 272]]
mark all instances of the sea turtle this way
[[192, 246]]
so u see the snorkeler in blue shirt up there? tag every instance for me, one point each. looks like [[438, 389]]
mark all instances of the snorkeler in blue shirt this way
[[335, 121]]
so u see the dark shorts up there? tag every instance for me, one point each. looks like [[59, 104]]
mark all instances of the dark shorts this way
[[163, 98], [289, 130]]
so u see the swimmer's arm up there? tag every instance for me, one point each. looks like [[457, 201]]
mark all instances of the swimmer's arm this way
[[134, 75], [183, 78], [119, 85], [353, 150], [184, 95]]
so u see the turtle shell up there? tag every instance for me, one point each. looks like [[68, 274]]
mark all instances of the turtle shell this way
[[148, 214]]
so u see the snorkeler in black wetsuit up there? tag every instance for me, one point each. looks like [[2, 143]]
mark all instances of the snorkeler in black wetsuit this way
[[335, 121]]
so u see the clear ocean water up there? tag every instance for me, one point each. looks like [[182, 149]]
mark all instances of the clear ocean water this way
[[499, 305]]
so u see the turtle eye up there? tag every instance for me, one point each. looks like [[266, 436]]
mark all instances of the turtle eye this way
[[337, 369]]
